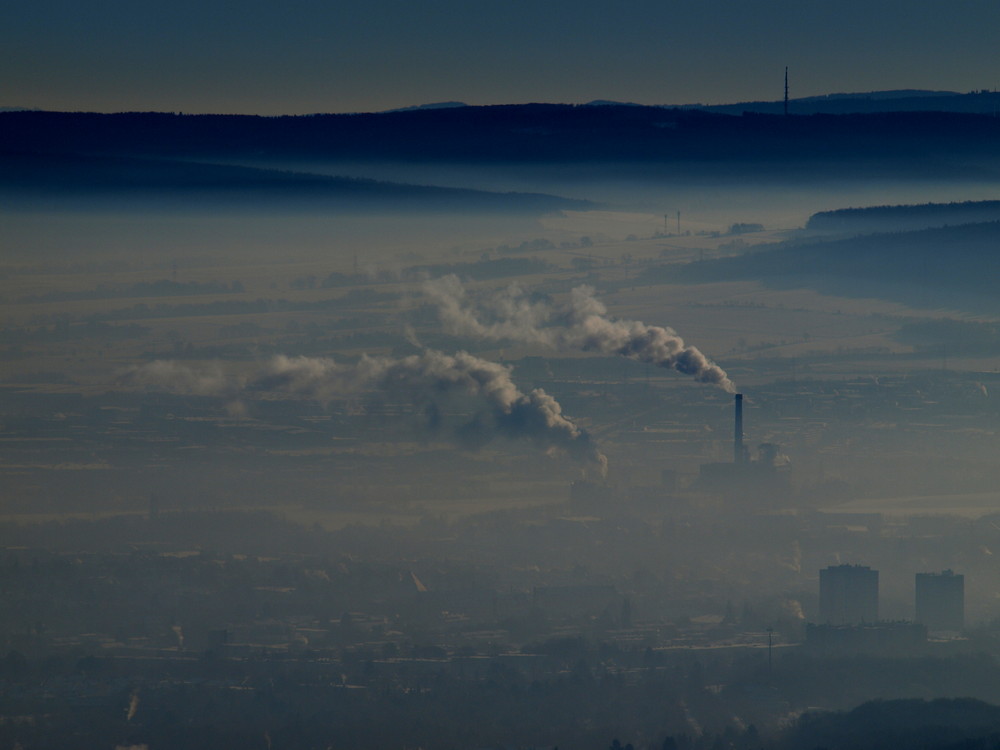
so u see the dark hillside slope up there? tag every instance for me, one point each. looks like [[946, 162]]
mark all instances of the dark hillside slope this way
[[895, 218], [901, 725], [535, 133], [27, 179]]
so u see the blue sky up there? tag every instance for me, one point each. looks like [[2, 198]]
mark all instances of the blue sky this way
[[302, 56]]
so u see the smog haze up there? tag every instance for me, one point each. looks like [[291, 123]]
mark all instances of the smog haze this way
[[624, 422]]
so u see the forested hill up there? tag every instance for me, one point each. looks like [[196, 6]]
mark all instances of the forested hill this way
[[906, 100], [530, 132], [885, 218]]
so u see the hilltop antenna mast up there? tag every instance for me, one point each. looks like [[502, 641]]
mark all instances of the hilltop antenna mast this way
[[786, 91]]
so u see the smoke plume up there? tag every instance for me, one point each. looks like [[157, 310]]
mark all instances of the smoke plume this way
[[582, 324], [169, 375], [133, 705], [429, 378]]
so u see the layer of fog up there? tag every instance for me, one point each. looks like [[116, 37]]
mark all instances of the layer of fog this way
[[144, 237], [712, 200]]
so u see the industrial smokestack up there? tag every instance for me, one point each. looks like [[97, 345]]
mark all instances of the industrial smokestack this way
[[738, 454]]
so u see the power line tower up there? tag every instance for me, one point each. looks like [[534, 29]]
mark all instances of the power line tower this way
[[786, 91]]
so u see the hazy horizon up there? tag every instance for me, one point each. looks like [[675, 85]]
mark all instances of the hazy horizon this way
[[310, 57]]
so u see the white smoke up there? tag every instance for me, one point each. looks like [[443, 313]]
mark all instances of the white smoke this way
[[791, 609], [433, 374], [170, 375], [580, 325], [427, 377], [133, 705]]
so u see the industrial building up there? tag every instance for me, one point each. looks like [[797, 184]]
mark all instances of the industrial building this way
[[848, 595], [940, 600]]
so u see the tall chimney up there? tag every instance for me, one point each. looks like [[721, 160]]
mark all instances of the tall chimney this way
[[738, 455]]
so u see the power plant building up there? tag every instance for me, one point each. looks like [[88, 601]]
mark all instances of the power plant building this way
[[762, 479], [848, 595], [940, 600]]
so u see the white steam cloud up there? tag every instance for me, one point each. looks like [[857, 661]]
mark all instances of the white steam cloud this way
[[427, 377], [133, 705], [582, 324], [169, 375]]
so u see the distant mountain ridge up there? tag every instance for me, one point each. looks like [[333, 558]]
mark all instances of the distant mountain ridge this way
[[889, 94], [539, 133], [893, 100], [433, 105], [903, 100]]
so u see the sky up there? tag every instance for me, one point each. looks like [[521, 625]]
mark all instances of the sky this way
[[306, 56]]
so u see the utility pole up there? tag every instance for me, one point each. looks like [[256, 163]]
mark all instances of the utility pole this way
[[678, 223]]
